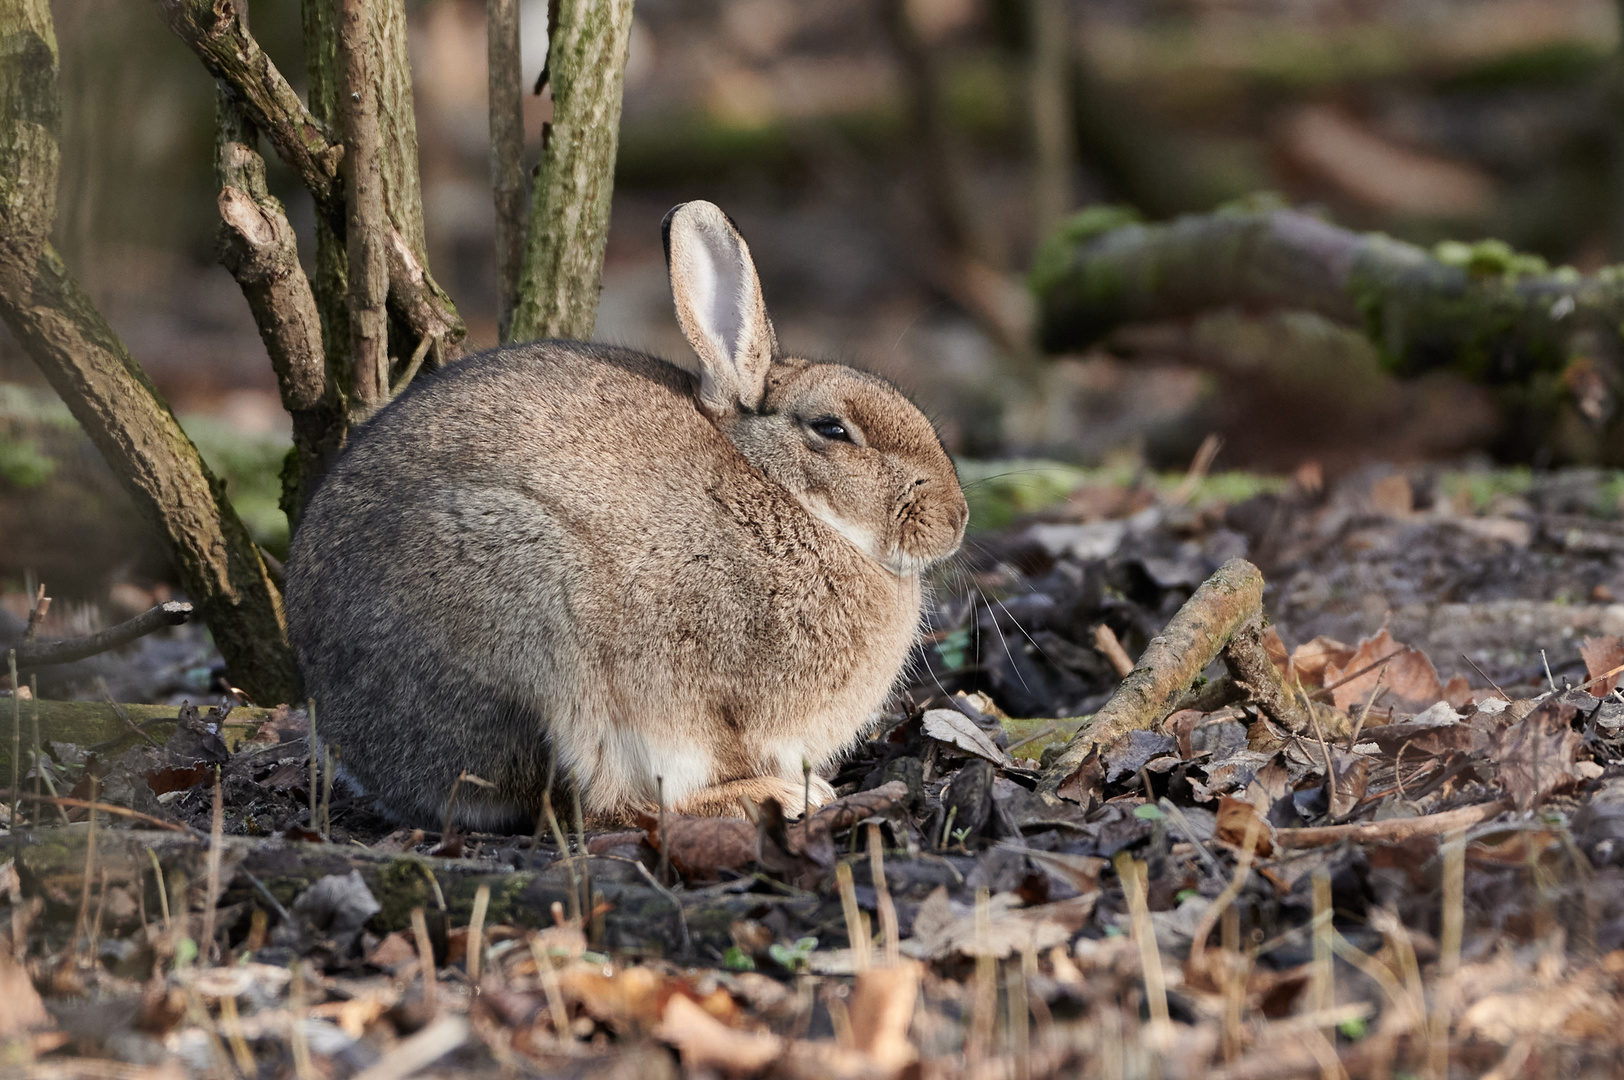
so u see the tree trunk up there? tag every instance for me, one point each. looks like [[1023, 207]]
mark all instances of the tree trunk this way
[[1483, 310], [364, 208], [108, 393], [506, 90], [569, 210]]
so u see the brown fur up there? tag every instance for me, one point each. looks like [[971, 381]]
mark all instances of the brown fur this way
[[569, 549]]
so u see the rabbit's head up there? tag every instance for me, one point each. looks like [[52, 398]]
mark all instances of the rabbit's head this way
[[847, 445]]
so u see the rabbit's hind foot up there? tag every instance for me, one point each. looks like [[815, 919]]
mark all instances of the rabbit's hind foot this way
[[738, 798]]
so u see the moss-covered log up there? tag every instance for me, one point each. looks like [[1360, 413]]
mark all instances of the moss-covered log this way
[[1481, 309], [98, 724], [639, 918]]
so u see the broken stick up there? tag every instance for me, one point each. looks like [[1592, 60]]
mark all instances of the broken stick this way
[[45, 653], [1225, 603]]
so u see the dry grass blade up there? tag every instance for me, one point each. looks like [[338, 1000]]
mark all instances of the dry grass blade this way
[[425, 961], [1134, 875], [1449, 942], [476, 932], [217, 831], [890, 938], [855, 931]]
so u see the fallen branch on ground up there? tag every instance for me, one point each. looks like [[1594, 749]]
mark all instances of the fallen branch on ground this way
[[1224, 604], [1391, 831], [1488, 312]]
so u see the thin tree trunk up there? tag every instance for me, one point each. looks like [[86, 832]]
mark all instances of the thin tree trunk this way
[[1049, 101], [569, 210], [507, 153], [364, 210], [108, 393]]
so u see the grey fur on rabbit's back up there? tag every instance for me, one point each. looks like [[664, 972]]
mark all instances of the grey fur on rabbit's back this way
[[699, 576]]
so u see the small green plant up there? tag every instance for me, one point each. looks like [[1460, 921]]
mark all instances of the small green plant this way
[[954, 648], [1353, 1030], [185, 952], [792, 957], [1149, 812], [736, 959]]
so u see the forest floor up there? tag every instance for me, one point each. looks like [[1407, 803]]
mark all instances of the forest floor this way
[[1412, 866]]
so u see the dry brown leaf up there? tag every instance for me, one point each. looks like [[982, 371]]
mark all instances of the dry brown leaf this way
[[700, 846], [1538, 754], [1086, 785], [942, 928], [21, 1009], [395, 951], [1406, 672], [1275, 649], [706, 1043], [1601, 655], [635, 998], [1235, 818], [954, 728], [1309, 661], [1458, 692], [882, 1009]]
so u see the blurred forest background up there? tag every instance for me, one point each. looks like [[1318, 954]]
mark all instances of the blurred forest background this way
[[855, 142]]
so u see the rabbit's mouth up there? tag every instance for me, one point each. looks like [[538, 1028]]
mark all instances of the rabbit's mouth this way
[[897, 554]]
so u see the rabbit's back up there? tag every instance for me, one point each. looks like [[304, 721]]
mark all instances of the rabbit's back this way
[[549, 549]]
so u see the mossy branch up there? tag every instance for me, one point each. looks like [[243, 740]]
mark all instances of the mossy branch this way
[[1481, 309], [569, 209]]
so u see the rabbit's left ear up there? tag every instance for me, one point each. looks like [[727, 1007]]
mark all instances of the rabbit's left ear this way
[[718, 301]]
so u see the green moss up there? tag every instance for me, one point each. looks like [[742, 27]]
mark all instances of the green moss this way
[[1489, 259], [1054, 256], [22, 465], [251, 467], [1557, 64]]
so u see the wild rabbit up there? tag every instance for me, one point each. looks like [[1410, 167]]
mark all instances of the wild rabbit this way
[[582, 565]]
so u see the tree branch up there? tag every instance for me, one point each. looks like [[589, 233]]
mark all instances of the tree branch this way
[[217, 31], [1487, 312], [363, 210], [1224, 604], [257, 245], [569, 209], [507, 152], [107, 392], [46, 653]]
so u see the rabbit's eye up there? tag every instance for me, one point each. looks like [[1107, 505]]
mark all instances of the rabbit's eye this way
[[830, 428]]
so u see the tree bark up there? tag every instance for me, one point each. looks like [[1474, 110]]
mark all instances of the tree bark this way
[[258, 247], [569, 210], [1224, 605], [217, 31], [1486, 312], [108, 393], [506, 87], [364, 209]]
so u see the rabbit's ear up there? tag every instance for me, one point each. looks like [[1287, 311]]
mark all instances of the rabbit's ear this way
[[718, 300]]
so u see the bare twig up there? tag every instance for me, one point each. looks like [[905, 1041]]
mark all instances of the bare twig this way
[[46, 653], [506, 84], [1391, 830], [1105, 640], [425, 960], [36, 614]]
